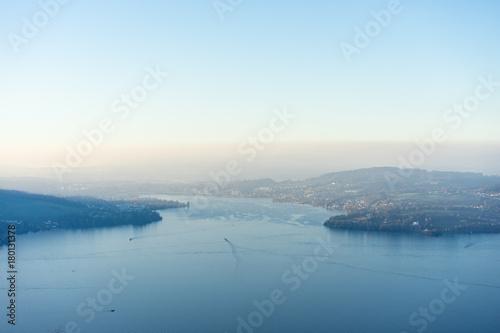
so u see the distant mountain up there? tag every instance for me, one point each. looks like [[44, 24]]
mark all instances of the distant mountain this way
[[388, 179], [321, 190]]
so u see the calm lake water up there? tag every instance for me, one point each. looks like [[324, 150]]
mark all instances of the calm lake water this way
[[251, 265]]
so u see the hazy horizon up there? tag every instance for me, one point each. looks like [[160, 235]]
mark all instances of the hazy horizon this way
[[175, 91], [279, 161]]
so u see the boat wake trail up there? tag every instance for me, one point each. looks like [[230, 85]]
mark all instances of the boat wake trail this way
[[233, 250], [412, 275]]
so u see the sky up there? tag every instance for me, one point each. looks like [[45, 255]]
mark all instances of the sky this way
[[226, 69]]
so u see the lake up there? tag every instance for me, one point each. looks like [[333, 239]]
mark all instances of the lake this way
[[251, 265]]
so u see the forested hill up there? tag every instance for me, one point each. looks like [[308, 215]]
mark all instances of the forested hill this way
[[34, 212], [32, 208]]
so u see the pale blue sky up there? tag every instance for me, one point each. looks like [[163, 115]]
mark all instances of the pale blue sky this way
[[227, 76]]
